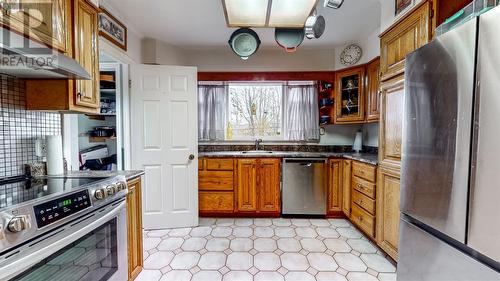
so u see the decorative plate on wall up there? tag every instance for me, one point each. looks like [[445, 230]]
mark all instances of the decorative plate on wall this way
[[351, 55]]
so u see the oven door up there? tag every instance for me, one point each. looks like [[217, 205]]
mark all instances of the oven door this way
[[92, 248]]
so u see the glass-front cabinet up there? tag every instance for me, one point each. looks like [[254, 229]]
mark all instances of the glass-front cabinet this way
[[349, 96]]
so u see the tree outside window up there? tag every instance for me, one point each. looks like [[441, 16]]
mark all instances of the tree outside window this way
[[255, 111]]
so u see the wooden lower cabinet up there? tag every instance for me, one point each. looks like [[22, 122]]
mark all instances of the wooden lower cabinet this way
[[213, 202], [334, 201], [258, 185], [363, 194], [134, 226], [216, 186], [346, 187], [246, 195], [269, 185], [388, 196]]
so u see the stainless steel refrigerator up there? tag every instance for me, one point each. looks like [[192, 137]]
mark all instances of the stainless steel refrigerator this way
[[450, 177]]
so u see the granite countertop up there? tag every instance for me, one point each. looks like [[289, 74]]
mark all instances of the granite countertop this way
[[368, 158], [129, 174]]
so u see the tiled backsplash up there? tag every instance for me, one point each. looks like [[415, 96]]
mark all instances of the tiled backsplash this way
[[285, 147], [20, 127]]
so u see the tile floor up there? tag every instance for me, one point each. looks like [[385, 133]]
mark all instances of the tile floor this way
[[264, 250]]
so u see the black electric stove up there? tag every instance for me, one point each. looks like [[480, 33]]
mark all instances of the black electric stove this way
[[20, 190]]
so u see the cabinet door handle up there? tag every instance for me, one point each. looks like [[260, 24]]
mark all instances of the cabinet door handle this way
[[191, 157]]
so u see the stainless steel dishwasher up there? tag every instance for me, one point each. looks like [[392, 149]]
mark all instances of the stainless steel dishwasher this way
[[304, 186]]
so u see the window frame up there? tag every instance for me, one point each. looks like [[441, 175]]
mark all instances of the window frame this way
[[281, 137]]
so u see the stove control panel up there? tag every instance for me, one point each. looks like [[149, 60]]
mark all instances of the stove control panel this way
[[57, 209]]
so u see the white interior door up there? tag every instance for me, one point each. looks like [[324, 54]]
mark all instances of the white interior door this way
[[164, 143]]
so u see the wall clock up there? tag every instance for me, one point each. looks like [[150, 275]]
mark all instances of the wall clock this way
[[351, 55]]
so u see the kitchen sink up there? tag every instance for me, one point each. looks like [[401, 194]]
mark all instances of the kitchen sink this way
[[257, 152]]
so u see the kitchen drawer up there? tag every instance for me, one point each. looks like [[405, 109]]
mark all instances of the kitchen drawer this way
[[364, 171], [215, 180], [200, 164], [363, 201], [214, 164], [216, 201], [367, 188], [363, 220]]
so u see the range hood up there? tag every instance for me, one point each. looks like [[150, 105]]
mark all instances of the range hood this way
[[45, 64]]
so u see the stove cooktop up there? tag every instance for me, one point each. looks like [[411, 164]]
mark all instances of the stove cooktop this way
[[19, 191]]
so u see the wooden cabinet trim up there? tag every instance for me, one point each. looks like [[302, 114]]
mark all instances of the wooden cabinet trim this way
[[388, 216], [363, 186], [365, 171], [19, 26], [134, 226], [339, 119], [346, 187], [86, 39], [390, 144], [216, 201], [363, 220], [373, 90], [334, 200], [219, 164], [419, 18]]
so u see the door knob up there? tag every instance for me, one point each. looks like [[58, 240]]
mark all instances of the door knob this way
[[191, 156]]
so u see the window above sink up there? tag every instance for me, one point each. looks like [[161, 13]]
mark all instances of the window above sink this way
[[267, 110]]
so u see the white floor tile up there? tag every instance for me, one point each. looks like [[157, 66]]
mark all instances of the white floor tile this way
[[267, 261], [294, 261]]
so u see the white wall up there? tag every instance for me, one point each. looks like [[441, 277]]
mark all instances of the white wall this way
[[387, 13], [370, 47], [133, 53], [268, 59], [158, 52], [339, 134], [370, 134], [345, 134]]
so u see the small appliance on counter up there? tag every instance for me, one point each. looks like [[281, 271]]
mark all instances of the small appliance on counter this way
[[97, 158]]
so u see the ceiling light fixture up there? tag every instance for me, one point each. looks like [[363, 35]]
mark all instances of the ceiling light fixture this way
[[267, 13]]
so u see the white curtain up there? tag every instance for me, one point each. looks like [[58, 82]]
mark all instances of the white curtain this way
[[211, 112], [302, 113]]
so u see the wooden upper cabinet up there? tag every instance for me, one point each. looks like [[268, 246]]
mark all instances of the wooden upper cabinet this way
[[406, 35], [44, 21], [335, 186], [346, 187], [67, 95], [372, 90], [247, 185], [134, 226], [388, 194], [269, 185], [87, 54], [350, 96], [391, 122]]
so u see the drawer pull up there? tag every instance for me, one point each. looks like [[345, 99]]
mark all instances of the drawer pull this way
[[360, 218], [360, 186], [360, 201]]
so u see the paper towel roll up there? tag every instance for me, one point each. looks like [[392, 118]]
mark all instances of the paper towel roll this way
[[55, 162]]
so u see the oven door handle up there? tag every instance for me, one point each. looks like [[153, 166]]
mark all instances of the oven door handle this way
[[16, 267]]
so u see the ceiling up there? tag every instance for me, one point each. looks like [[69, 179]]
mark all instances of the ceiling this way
[[201, 23]]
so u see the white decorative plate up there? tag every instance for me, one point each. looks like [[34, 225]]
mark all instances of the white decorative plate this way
[[351, 55]]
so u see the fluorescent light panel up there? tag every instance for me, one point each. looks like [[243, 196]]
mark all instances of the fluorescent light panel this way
[[246, 13], [290, 13]]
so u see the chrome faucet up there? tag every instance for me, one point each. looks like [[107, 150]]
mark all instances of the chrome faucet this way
[[257, 144]]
